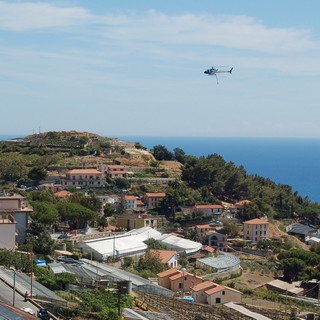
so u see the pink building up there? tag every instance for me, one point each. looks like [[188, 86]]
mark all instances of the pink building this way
[[152, 200], [116, 171], [213, 293], [83, 178], [177, 280]]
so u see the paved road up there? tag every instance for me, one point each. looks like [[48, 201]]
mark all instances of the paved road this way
[[246, 312]]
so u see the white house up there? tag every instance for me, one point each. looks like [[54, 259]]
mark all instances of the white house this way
[[130, 201], [209, 210], [83, 178], [18, 207], [7, 232]]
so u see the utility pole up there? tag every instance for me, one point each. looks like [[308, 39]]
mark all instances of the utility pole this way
[[14, 287], [31, 256]]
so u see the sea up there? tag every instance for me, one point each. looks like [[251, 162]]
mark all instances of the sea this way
[[290, 161]]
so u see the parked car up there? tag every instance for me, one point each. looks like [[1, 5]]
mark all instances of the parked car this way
[[65, 236], [70, 260], [61, 258], [43, 314]]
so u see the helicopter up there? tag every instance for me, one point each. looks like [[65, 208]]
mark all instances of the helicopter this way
[[214, 70]]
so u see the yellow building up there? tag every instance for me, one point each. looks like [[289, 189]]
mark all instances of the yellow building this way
[[255, 230], [136, 221]]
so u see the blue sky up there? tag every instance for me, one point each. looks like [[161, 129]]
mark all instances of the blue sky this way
[[121, 68]]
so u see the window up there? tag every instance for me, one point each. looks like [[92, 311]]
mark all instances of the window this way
[[223, 293], [180, 285], [218, 300]]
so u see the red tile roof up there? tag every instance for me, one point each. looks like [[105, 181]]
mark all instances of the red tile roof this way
[[219, 288], [203, 226], [208, 248], [169, 272], [204, 285], [177, 234], [62, 193], [156, 195], [84, 171], [164, 255], [208, 206], [256, 221], [110, 228], [129, 198]]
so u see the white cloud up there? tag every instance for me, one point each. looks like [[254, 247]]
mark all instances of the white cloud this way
[[24, 16], [240, 32]]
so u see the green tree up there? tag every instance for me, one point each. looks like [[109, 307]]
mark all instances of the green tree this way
[[179, 155], [37, 173], [292, 268], [155, 244], [88, 201], [44, 213], [231, 229], [77, 215], [150, 261], [83, 141], [108, 211], [43, 244], [162, 153], [170, 202]]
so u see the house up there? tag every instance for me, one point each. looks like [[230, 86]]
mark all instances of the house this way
[[7, 232], [62, 194], [256, 230], [198, 291], [203, 228], [18, 207], [221, 294], [167, 257], [83, 178], [51, 187], [153, 199], [239, 206], [130, 202], [207, 250], [135, 221], [209, 210], [178, 280], [283, 287], [116, 171], [302, 230], [218, 241]]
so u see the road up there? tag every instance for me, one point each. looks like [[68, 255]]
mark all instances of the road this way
[[246, 312]]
